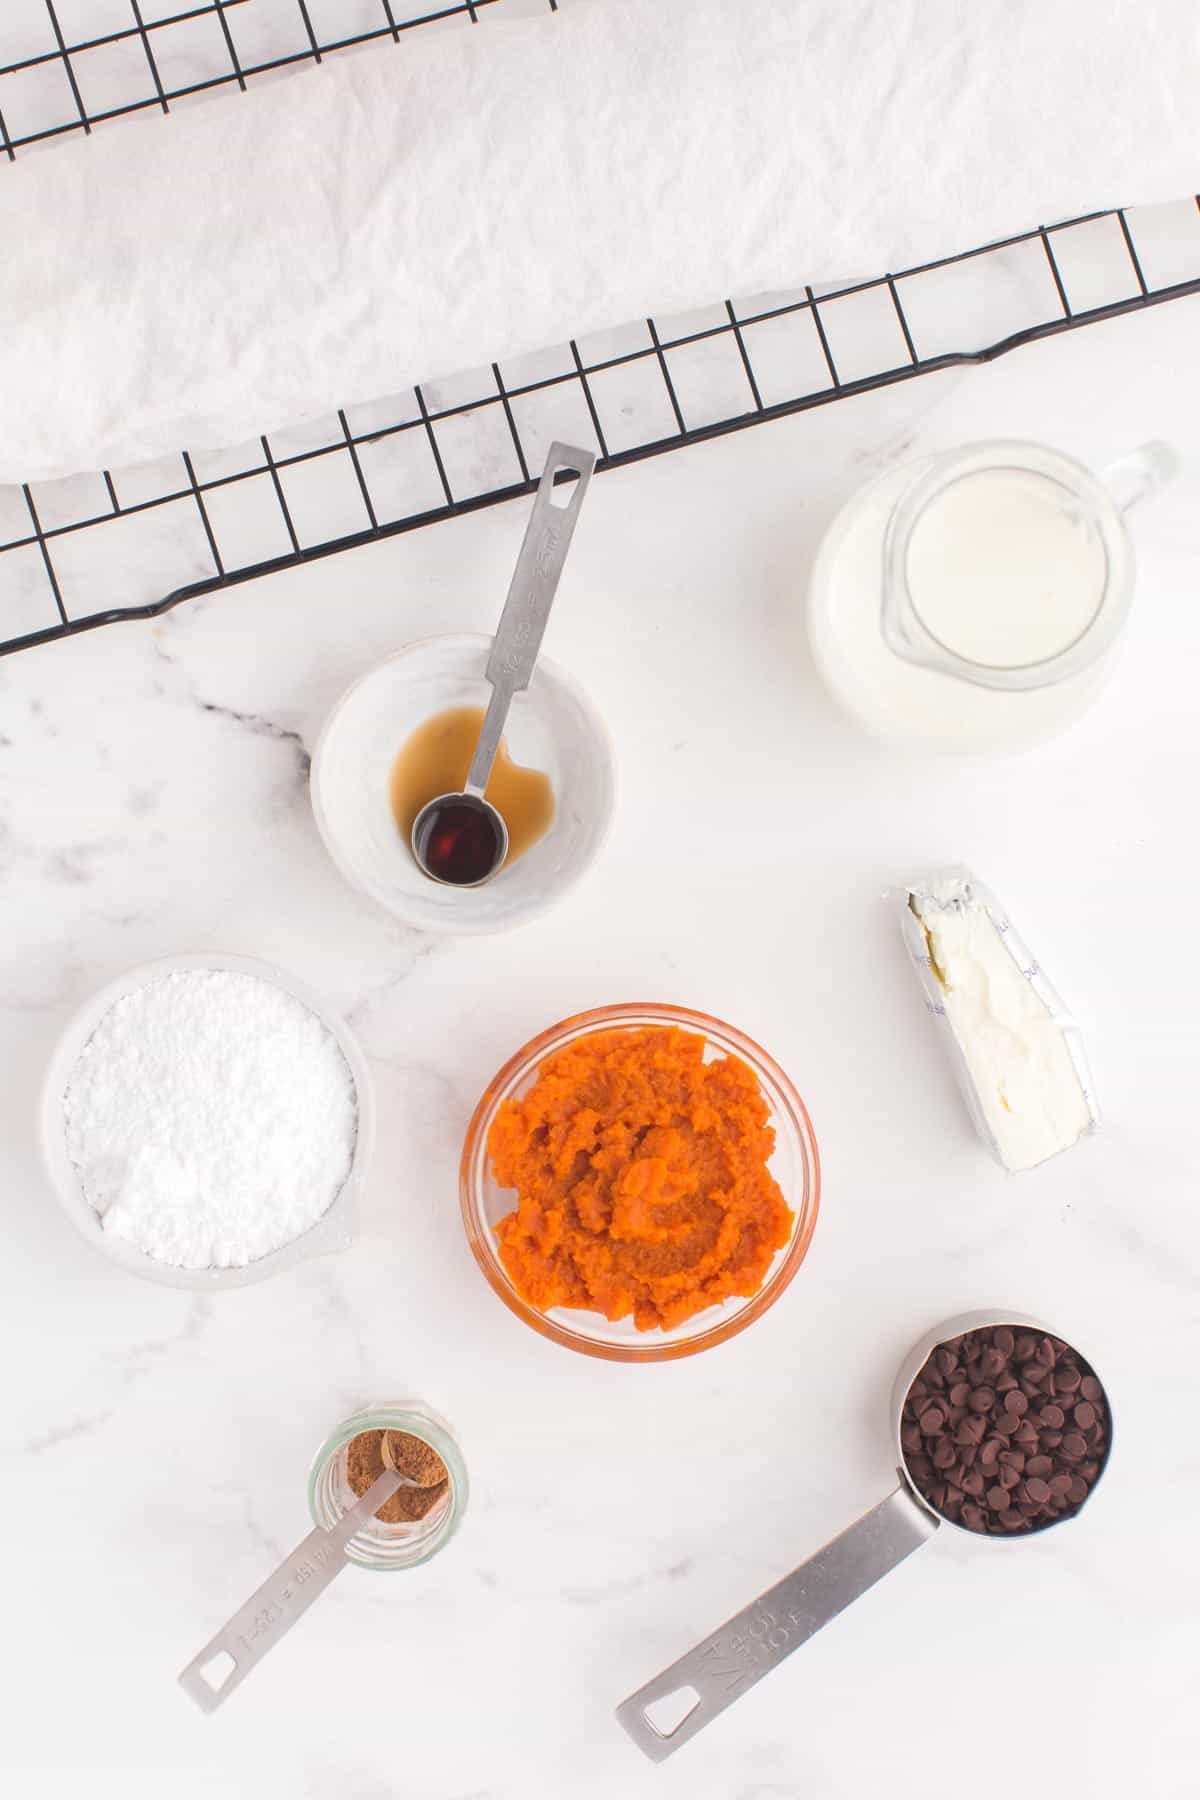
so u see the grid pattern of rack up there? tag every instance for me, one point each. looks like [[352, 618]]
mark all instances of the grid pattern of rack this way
[[209, 520]]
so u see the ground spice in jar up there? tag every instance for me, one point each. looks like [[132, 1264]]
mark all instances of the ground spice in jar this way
[[366, 1461]]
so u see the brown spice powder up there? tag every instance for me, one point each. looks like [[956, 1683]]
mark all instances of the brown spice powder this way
[[408, 1455]]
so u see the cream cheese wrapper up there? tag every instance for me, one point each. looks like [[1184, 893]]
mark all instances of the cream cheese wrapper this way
[[1054, 1047]]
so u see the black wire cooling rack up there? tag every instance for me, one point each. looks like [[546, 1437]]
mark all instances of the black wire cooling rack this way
[[73, 553]]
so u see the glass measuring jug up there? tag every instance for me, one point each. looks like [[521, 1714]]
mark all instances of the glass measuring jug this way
[[1009, 564], [671, 1709]]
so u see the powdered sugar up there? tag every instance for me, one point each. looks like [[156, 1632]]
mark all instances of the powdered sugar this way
[[211, 1118]]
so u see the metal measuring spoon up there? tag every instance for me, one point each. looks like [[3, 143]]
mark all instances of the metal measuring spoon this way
[[715, 1673], [273, 1608], [461, 839]]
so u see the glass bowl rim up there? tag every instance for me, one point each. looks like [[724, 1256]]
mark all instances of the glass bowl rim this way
[[806, 1206]]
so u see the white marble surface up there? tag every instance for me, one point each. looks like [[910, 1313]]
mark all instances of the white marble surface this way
[[154, 1445]]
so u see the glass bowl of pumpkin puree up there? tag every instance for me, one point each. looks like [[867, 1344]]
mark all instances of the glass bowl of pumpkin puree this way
[[640, 1182]]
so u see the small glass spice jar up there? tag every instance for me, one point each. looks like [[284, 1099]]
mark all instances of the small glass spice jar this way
[[381, 1545]]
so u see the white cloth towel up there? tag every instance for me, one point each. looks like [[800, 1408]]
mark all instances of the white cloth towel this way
[[188, 281]]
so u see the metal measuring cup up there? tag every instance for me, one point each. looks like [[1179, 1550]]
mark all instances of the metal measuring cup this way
[[713, 1674]]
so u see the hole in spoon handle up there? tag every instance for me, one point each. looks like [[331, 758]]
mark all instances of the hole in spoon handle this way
[[754, 1641]]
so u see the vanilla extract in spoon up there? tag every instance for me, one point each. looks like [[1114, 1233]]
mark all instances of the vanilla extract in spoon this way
[[435, 759]]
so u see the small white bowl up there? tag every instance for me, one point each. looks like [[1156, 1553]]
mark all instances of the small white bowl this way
[[334, 1230], [553, 726]]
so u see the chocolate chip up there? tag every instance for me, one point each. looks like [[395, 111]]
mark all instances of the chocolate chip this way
[[980, 1453]]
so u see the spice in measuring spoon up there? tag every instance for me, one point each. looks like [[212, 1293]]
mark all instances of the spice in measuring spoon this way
[[460, 837], [371, 1452]]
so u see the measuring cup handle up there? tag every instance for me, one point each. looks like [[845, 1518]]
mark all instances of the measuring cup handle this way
[[750, 1644], [1141, 474]]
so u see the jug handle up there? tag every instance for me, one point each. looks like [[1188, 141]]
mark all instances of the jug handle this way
[[1141, 474]]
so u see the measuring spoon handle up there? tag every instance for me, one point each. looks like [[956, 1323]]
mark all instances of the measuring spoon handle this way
[[749, 1645], [274, 1607], [531, 593]]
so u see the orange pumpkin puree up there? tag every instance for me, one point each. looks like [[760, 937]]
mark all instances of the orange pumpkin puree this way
[[641, 1178]]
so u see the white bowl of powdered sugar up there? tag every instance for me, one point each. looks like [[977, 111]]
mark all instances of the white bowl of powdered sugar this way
[[206, 1122]]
